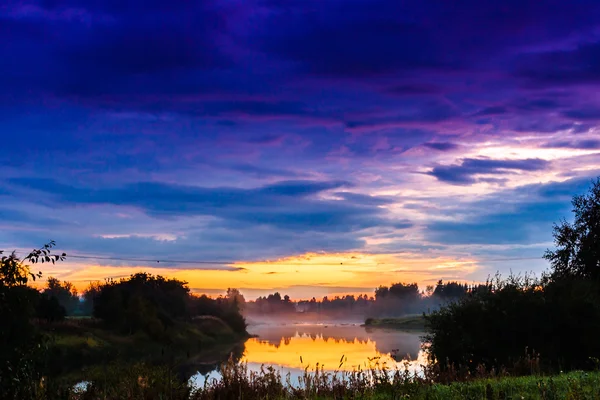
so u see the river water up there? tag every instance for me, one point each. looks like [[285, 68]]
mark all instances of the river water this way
[[291, 348]]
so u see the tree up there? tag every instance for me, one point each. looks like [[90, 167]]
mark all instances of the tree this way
[[381, 292], [21, 345], [49, 309], [236, 298], [577, 253], [64, 292], [89, 294], [429, 290], [406, 291], [142, 302]]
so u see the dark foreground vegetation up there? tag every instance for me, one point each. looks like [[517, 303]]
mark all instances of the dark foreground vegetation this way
[[143, 317], [505, 339], [555, 318], [141, 382]]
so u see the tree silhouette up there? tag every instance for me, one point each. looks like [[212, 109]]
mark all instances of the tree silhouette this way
[[578, 244]]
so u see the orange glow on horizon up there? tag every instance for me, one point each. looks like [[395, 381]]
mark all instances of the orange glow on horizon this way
[[302, 277]]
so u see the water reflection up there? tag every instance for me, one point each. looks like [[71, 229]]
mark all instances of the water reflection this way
[[292, 348]]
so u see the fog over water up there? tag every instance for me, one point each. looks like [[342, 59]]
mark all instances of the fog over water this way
[[293, 346]]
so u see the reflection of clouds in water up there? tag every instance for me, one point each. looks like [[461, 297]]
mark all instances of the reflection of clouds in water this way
[[290, 349], [403, 344]]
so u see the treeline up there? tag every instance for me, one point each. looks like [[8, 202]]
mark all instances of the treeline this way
[[394, 300], [142, 302], [554, 319], [160, 308]]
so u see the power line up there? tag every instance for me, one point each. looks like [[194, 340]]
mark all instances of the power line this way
[[167, 261], [221, 262]]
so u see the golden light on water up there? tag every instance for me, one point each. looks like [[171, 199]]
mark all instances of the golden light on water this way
[[303, 351]]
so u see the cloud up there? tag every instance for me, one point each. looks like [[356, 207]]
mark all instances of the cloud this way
[[10, 216], [430, 111], [584, 114], [466, 172], [515, 216], [493, 110], [561, 67], [206, 104], [412, 89], [286, 205], [585, 144], [441, 146]]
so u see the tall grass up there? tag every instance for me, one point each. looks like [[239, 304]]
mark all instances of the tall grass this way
[[237, 381]]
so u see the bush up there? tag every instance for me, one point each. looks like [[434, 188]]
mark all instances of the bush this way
[[559, 321], [49, 309]]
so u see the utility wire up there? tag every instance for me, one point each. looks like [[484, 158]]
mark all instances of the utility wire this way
[[146, 260]]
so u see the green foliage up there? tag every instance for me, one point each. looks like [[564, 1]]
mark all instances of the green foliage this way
[[222, 308], [496, 328], [409, 322], [22, 348], [154, 305], [450, 290], [557, 318], [144, 381], [577, 253], [141, 303]]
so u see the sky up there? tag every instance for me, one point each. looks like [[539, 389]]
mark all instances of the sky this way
[[310, 147]]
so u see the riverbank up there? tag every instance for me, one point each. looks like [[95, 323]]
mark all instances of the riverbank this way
[[82, 344], [573, 385], [409, 322], [140, 382]]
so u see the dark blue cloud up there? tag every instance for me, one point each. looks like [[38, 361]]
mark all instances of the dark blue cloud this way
[[287, 205], [584, 113], [12, 216], [464, 173], [517, 216], [412, 89], [431, 111], [441, 146], [371, 38], [586, 144], [493, 110], [562, 67], [232, 96]]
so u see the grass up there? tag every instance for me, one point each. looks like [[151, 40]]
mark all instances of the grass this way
[[77, 346], [141, 382], [574, 385], [408, 322]]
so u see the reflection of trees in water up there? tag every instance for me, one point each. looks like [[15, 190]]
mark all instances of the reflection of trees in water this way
[[210, 363], [400, 345]]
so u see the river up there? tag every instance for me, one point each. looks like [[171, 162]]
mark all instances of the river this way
[[291, 348]]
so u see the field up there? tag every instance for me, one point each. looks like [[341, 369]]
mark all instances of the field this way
[[409, 322], [574, 385]]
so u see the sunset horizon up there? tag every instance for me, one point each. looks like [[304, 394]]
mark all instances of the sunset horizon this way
[[429, 140]]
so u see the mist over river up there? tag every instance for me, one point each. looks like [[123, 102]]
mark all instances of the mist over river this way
[[292, 347]]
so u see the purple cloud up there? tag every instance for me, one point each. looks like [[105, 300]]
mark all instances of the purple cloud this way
[[266, 128], [464, 173], [441, 146]]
